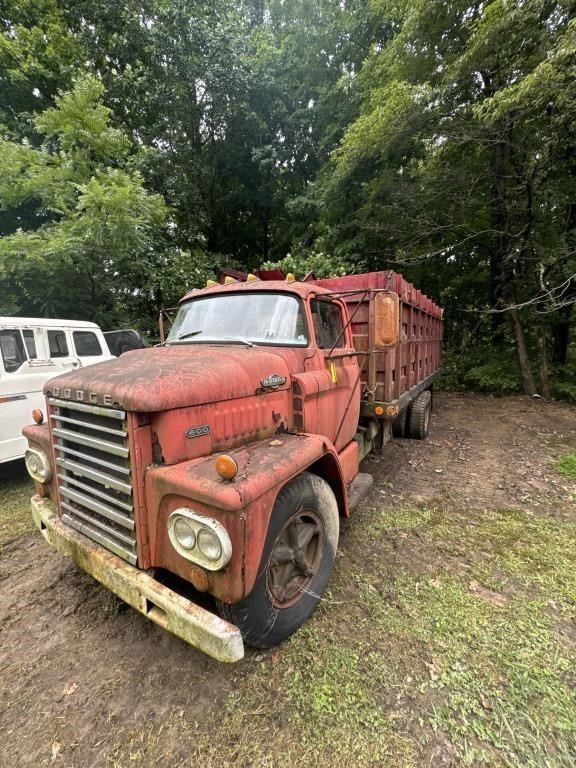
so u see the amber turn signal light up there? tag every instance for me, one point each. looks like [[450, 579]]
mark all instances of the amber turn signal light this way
[[38, 416], [226, 467]]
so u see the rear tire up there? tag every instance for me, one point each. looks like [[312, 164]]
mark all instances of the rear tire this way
[[419, 418], [296, 564]]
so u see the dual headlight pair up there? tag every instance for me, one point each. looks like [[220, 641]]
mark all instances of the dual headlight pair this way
[[38, 465], [201, 539]]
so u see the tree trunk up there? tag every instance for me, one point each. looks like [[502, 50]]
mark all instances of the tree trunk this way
[[544, 366], [528, 384]]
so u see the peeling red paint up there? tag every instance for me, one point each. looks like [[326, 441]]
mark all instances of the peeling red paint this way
[[163, 378]]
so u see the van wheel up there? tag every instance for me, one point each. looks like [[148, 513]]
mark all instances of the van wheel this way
[[419, 418], [296, 564]]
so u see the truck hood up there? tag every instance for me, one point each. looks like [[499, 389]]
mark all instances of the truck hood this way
[[162, 378]]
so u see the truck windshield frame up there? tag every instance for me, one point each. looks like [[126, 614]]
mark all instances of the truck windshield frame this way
[[262, 318]]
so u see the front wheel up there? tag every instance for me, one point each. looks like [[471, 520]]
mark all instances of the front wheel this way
[[296, 564]]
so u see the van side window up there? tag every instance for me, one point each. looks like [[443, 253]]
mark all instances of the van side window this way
[[57, 344], [12, 348], [87, 344], [30, 342], [328, 324]]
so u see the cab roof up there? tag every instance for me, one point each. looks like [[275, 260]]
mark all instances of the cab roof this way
[[303, 290]]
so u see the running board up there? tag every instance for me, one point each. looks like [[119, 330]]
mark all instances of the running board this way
[[359, 487]]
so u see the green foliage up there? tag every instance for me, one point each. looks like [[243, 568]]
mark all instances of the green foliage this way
[[300, 263], [462, 161], [481, 370], [436, 139], [95, 228]]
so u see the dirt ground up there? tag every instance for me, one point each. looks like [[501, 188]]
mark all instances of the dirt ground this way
[[78, 671]]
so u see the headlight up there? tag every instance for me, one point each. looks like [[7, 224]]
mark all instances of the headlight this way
[[38, 465], [199, 538], [209, 544], [184, 533]]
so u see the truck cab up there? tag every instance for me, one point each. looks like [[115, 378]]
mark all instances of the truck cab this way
[[32, 350], [225, 457]]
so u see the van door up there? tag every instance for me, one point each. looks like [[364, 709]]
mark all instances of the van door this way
[[61, 350], [23, 371]]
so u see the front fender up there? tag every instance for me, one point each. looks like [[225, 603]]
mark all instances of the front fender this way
[[243, 506]]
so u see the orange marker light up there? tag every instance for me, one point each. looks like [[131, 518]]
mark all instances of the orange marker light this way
[[378, 410], [38, 416], [226, 467]]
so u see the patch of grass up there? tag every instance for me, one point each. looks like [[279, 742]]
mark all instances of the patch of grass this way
[[16, 488], [492, 630], [312, 703], [319, 698], [442, 640], [501, 673], [566, 464]]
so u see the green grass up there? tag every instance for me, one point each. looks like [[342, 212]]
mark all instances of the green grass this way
[[444, 639], [16, 488], [566, 465]]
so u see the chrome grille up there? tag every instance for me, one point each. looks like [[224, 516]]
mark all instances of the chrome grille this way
[[94, 475]]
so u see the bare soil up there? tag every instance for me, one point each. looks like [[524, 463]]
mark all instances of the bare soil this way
[[78, 671]]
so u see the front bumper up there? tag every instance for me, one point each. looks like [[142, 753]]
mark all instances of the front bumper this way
[[195, 625]]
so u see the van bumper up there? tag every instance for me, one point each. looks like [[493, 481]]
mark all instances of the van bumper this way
[[182, 617]]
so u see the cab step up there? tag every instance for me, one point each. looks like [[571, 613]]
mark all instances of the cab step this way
[[358, 488]]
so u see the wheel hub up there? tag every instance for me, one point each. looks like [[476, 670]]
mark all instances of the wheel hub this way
[[295, 558]]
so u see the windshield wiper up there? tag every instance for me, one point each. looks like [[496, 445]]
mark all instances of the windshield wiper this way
[[185, 335], [235, 338], [215, 340]]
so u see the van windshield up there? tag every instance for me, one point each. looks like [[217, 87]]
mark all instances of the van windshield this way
[[258, 318]]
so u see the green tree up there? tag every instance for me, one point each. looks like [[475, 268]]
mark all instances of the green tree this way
[[96, 231], [459, 162]]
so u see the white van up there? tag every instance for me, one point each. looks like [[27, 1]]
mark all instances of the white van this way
[[33, 350]]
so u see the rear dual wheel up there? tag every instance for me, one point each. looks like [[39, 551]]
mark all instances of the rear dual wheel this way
[[296, 564], [419, 416]]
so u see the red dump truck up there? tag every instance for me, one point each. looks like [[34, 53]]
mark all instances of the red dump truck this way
[[222, 461]]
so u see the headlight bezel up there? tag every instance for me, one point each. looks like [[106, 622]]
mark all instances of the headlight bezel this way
[[45, 475], [200, 523]]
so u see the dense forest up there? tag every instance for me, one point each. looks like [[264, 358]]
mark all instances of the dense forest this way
[[144, 144]]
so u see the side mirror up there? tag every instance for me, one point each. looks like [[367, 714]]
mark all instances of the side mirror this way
[[386, 320]]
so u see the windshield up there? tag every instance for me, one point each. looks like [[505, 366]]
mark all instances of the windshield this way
[[258, 318]]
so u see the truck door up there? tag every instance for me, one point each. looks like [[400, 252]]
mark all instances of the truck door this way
[[338, 398]]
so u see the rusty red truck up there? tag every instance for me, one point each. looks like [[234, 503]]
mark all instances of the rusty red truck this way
[[222, 461]]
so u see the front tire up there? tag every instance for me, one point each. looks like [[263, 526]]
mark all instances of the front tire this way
[[296, 564]]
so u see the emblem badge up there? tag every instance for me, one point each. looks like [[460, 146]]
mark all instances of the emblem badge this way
[[273, 382], [198, 431]]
